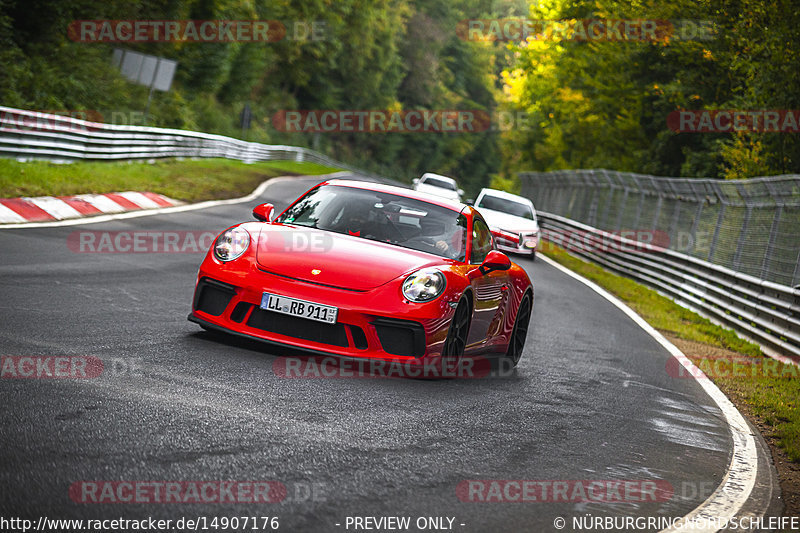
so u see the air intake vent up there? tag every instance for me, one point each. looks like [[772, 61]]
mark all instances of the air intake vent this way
[[213, 296], [299, 328], [401, 337]]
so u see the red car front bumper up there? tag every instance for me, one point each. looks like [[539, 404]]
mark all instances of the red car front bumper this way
[[376, 323]]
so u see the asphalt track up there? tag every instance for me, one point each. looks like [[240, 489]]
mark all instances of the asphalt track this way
[[592, 399]]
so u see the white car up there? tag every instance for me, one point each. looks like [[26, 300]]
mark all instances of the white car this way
[[438, 185], [512, 219]]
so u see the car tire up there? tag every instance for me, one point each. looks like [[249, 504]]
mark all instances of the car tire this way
[[456, 341], [516, 343]]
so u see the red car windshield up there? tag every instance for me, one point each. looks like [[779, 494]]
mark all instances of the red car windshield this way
[[383, 217]]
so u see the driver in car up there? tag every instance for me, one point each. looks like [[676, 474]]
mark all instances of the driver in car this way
[[361, 223], [434, 232]]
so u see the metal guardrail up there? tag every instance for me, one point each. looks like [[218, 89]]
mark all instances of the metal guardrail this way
[[749, 226], [766, 312], [27, 135]]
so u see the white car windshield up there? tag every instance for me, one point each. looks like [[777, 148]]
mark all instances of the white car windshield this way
[[438, 182], [504, 205]]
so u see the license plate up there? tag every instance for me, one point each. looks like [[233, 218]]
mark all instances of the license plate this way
[[299, 308]]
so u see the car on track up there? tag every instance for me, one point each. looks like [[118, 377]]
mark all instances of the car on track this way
[[363, 270], [438, 185], [512, 219]]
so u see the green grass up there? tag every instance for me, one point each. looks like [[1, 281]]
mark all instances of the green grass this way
[[188, 180], [772, 394]]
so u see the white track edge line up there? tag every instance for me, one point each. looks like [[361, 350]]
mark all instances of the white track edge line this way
[[162, 210], [738, 482]]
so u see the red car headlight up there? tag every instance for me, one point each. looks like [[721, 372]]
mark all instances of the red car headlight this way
[[231, 244], [424, 285]]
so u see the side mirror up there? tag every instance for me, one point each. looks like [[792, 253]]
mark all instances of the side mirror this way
[[415, 181], [461, 192], [263, 212], [471, 201], [495, 261]]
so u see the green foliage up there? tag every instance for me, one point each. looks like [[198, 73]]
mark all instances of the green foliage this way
[[501, 183], [743, 157], [605, 103], [587, 104], [370, 54], [191, 181]]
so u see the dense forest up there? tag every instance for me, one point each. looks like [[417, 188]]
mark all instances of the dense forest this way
[[607, 103], [574, 103]]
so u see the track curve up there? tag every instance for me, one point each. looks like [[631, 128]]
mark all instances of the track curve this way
[[591, 400]]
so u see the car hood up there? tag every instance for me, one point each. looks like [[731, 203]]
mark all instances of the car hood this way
[[334, 259], [504, 221]]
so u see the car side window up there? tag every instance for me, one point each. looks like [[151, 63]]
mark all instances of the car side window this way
[[458, 241], [482, 242]]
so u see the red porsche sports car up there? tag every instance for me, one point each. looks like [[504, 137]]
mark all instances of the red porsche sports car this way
[[364, 270]]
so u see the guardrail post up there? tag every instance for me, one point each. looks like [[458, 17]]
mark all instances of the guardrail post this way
[[720, 217], [796, 274], [639, 205], [673, 225], [737, 256], [531, 187], [773, 235], [715, 238], [547, 193], [699, 198], [657, 212], [618, 223], [552, 192], [609, 197], [693, 231], [587, 195], [591, 190]]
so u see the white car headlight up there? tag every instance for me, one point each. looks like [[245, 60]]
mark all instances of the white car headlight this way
[[424, 285], [528, 240], [231, 244]]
